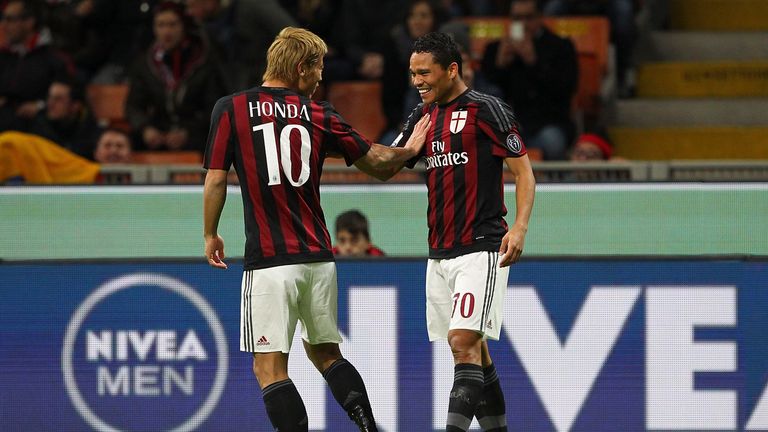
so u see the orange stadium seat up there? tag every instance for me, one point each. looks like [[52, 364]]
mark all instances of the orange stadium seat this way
[[359, 102], [590, 35], [108, 101]]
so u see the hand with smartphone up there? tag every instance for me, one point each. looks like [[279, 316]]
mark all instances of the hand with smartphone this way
[[521, 42]]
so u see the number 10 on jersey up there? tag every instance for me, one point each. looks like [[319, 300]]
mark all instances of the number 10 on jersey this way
[[270, 150]]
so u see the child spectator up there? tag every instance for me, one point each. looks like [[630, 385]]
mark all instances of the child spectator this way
[[352, 236], [591, 147]]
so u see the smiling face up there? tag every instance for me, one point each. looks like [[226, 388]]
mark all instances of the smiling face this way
[[433, 81], [113, 147]]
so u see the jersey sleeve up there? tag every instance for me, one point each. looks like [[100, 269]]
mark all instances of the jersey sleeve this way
[[497, 121], [405, 135], [219, 149], [343, 138]]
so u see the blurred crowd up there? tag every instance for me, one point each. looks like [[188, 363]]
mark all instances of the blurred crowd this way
[[179, 57]]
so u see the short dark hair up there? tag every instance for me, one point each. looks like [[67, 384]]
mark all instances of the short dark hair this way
[[354, 222], [76, 87], [442, 46]]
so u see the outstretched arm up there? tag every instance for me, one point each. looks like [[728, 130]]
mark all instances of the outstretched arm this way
[[383, 162], [214, 196], [525, 189]]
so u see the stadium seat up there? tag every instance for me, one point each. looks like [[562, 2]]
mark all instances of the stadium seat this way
[[718, 15], [359, 102], [703, 79], [108, 101], [590, 35], [695, 142]]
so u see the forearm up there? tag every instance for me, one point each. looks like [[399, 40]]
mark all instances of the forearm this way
[[391, 157], [525, 190], [383, 162], [214, 197]]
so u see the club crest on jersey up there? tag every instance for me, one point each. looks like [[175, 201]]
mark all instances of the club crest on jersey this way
[[514, 144], [458, 120]]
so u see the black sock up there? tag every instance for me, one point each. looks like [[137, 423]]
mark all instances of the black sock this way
[[465, 395], [347, 386], [284, 407], [491, 411]]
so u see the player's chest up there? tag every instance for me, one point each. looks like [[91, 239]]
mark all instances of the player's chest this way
[[453, 130]]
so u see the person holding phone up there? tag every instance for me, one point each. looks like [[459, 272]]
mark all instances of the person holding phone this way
[[538, 73]]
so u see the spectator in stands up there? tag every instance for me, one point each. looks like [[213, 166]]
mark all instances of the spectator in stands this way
[[621, 14], [67, 121], [538, 73], [64, 18], [324, 18], [352, 236], [241, 31], [365, 32], [28, 64], [113, 146], [423, 16], [174, 85], [591, 147], [116, 32]]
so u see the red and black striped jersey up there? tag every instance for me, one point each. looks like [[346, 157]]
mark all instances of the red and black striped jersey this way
[[464, 155], [277, 141]]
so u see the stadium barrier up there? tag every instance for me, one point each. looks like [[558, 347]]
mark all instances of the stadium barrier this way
[[546, 172], [568, 219], [587, 345]]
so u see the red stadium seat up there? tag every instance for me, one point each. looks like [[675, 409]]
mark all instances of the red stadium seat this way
[[107, 101], [359, 102]]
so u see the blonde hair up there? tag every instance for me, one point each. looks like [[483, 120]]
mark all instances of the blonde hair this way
[[292, 47]]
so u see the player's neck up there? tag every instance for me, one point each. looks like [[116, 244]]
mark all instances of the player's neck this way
[[458, 89], [280, 84]]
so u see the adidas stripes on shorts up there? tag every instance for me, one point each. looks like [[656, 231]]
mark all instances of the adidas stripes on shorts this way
[[273, 299], [466, 292]]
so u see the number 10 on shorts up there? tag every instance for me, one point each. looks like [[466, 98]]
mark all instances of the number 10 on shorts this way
[[467, 305]]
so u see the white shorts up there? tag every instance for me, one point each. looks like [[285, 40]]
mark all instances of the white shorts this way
[[466, 292], [273, 299]]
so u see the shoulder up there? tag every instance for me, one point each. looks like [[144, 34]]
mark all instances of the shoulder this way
[[416, 113], [324, 105], [222, 105], [492, 109]]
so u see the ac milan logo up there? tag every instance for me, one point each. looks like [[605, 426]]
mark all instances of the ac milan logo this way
[[458, 120]]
